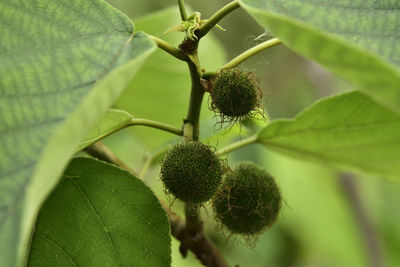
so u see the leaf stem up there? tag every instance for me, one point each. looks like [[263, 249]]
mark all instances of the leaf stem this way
[[156, 124], [182, 9], [246, 55], [134, 122], [214, 19], [169, 48], [251, 52], [244, 142]]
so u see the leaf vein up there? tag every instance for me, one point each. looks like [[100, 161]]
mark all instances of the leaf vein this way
[[81, 191], [54, 243]]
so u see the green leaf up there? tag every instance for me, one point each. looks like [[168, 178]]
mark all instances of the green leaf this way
[[358, 40], [165, 97], [349, 129], [112, 121], [100, 215], [62, 64]]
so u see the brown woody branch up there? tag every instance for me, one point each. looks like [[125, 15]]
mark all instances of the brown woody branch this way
[[191, 239]]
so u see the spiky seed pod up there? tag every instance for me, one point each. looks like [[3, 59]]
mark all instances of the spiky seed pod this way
[[191, 172], [248, 201], [235, 94]]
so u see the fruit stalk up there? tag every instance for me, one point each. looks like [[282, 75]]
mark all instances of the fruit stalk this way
[[194, 223], [191, 125]]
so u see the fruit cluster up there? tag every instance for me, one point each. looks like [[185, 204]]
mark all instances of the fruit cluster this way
[[246, 200]]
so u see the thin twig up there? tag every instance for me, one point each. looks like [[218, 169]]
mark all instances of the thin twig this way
[[157, 125], [214, 19], [134, 122], [251, 52], [182, 9], [360, 214], [246, 55], [234, 146], [173, 51], [102, 152], [195, 241]]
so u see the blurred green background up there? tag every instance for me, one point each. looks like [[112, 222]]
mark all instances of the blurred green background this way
[[322, 223]]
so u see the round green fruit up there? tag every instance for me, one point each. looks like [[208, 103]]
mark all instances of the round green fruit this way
[[248, 201], [235, 94], [191, 172]]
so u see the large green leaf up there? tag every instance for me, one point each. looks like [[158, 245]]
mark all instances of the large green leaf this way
[[349, 129], [100, 215], [165, 96], [62, 64], [358, 40]]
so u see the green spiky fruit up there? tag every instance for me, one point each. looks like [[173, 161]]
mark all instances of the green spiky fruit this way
[[249, 200], [191, 172], [235, 93]]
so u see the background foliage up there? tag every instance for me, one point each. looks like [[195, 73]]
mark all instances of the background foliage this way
[[318, 225]]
